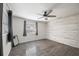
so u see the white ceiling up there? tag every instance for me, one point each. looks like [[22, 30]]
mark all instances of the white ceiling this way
[[31, 10]]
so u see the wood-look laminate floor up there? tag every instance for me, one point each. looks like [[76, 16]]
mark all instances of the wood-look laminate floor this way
[[44, 48]]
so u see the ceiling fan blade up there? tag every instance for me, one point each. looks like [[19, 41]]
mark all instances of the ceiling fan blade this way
[[51, 16], [49, 12], [40, 17]]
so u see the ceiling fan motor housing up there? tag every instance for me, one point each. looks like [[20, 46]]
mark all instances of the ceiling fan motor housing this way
[[45, 13]]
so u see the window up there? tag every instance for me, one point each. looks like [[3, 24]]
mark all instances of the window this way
[[31, 27]]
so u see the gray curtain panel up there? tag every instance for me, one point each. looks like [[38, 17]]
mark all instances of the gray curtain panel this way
[[24, 32], [36, 28], [10, 34]]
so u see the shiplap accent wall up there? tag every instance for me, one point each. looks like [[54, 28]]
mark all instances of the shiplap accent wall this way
[[65, 30]]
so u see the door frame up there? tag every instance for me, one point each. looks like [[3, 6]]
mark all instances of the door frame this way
[[1, 14]]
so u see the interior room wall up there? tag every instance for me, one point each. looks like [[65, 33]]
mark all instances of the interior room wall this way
[[65, 27], [18, 24], [6, 44]]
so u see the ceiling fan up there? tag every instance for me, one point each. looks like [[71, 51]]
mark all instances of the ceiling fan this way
[[46, 14]]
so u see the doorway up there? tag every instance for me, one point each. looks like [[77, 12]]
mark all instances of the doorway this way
[[1, 11]]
